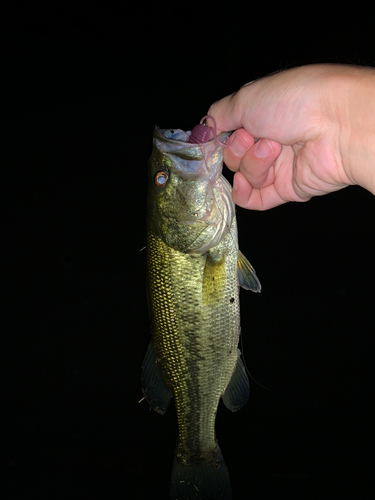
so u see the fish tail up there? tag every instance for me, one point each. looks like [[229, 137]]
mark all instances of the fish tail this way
[[206, 479]]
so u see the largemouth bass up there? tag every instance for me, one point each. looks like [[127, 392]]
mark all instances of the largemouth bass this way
[[194, 272]]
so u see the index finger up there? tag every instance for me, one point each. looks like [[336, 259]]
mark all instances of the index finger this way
[[239, 110]]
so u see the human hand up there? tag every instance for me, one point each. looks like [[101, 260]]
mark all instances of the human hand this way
[[316, 126]]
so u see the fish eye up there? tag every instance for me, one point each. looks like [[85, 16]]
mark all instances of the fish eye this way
[[160, 179]]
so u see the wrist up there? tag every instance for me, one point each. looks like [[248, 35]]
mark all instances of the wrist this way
[[358, 127]]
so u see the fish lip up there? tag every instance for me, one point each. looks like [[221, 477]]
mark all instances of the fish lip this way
[[166, 136]]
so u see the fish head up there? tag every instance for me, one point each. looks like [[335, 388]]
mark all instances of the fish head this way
[[189, 202]]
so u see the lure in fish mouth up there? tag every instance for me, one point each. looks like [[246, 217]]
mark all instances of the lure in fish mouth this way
[[194, 272]]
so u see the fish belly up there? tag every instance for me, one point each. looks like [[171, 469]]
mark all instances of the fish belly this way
[[194, 303]]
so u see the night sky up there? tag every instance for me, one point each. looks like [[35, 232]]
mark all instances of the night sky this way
[[83, 94]]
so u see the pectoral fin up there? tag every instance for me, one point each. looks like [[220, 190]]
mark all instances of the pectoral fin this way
[[214, 279], [237, 391], [247, 277], [155, 390]]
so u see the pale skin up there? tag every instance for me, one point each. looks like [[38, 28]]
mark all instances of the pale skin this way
[[316, 131]]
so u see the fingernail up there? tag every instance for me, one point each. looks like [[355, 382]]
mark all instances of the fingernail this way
[[238, 146], [235, 185], [263, 148]]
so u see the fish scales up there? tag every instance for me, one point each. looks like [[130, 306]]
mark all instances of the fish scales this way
[[194, 272], [195, 338]]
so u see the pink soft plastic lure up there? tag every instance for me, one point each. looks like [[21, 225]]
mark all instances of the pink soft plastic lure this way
[[201, 133]]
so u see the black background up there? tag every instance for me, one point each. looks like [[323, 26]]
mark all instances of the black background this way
[[85, 86]]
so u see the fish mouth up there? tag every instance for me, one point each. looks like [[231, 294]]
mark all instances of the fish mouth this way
[[187, 158]]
